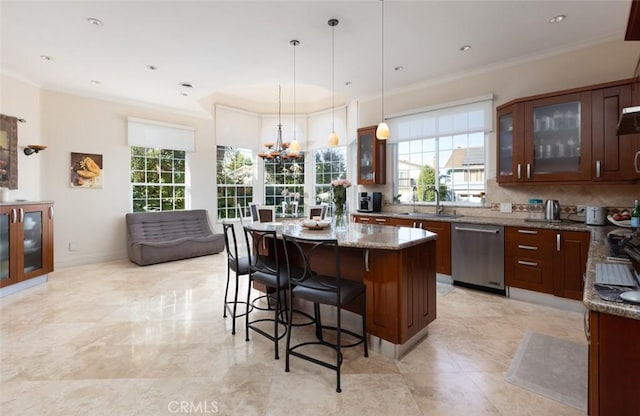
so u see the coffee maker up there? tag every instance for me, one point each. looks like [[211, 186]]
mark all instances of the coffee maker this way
[[370, 202]]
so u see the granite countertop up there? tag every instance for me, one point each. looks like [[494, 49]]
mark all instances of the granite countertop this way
[[598, 252], [357, 235]]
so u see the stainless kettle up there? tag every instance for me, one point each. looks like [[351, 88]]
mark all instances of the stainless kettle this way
[[551, 210]]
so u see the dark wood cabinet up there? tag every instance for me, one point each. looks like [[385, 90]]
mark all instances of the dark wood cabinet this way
[[442, 228], [614, 367], [570, 263], [528, 258], [26, 242], [612, 155], [372, 158], [566, 136], [546, 261]]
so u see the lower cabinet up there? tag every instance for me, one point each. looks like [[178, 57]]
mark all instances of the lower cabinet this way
[[614, 367], [442, 228], [547, 261], [26, 242]]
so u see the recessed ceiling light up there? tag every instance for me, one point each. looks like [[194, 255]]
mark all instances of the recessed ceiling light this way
[[399, 68], [465, 48], [95, 81], [184, 94], [94, 21], [348, 83], [46, 57], [557, 19], [152, 67], [186, 84]]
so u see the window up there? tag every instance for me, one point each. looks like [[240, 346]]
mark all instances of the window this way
[[442, 150], [158, 179], [284, 185], [234, 181], [331, 164]]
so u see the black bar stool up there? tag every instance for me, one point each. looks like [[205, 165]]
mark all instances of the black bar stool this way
[[240, 266], [314, 275]]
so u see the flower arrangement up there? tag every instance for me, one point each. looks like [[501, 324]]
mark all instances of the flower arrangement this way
[[339, 190]]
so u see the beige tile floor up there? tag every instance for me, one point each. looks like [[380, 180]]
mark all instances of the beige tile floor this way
[[118, 339]]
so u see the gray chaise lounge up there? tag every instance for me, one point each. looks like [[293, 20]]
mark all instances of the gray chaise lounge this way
[[157, 237]]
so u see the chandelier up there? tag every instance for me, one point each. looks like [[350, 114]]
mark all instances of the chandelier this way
[[281, 151]]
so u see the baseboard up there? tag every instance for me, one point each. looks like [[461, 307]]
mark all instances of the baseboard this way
[[25, 284], [545, 299]]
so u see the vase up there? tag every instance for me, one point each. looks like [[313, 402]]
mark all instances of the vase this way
[[340, 217]]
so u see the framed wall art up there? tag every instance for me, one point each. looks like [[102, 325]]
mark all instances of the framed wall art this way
[[8, 152], [86, 170]]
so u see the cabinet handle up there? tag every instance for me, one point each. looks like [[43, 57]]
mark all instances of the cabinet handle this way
[[527, 232], [364, 219], [585, 324], [528, 170], [21, 219], [523, 247], [422, 226], [374, 176], [597, 168], [519, 171], [414, 225], [366, 260], [527, 263], [478, 230], [381, 220], [557, 242], [635, 162], [14, 215], [51, 212]]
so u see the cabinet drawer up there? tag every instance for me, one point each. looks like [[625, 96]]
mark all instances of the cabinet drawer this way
[[531, 250], [542, 240]]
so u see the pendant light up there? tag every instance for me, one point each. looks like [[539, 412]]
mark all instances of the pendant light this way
[[333, 140], [294, 147], [382, 132]]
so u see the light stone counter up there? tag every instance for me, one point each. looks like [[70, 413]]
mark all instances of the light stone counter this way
[[367, 236]]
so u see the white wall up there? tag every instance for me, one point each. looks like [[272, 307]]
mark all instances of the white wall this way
[[21, 99], [93, 219]]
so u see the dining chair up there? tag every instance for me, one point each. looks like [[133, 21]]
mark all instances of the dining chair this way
[[317, 211], [266, 269], [313, 267], [238, 262], [266, 214], [253, 207]]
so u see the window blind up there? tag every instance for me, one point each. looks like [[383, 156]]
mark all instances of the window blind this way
[[158, 135]]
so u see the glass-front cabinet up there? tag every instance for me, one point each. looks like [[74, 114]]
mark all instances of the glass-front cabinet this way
[[371, 157], [545, 139], [26, 242]]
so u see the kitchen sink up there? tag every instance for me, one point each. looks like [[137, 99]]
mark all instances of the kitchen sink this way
[[429, 215]]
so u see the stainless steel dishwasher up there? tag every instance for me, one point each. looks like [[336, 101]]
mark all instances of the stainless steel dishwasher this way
[[477, 256]]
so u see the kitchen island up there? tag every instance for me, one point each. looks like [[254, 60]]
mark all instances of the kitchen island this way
[[397, 264]]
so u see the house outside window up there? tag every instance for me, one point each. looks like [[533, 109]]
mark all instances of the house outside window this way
[[234, 181], [158, 179], [442, 150]]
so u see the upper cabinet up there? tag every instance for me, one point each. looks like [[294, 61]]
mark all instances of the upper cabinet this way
[[565, 137], [372, 158]]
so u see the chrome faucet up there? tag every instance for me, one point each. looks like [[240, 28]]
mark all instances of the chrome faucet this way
[[414, 196], [439, 208]]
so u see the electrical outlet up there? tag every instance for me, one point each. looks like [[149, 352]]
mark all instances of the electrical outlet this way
[[73, 246], [581, 210], [506, 207]]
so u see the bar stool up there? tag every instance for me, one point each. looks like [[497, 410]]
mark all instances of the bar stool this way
[[240, 266], [314, 275], [265, 268]]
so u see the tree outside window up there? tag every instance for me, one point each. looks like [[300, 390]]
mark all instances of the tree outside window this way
[[157, 179], [234, 181]]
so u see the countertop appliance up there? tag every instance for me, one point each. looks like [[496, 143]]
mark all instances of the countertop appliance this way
[[370, 202], [551, 210], [477, 256], [595, 215]]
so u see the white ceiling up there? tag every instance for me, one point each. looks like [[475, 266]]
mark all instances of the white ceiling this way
[[238, 51]]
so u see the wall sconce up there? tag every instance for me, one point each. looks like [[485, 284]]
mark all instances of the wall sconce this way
[[33, 148]]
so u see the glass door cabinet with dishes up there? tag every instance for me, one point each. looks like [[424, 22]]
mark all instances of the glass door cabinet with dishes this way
[[26, 241], [372, 155], [568, 136]]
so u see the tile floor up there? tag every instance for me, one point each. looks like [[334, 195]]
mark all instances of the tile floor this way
[[118, 339]]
